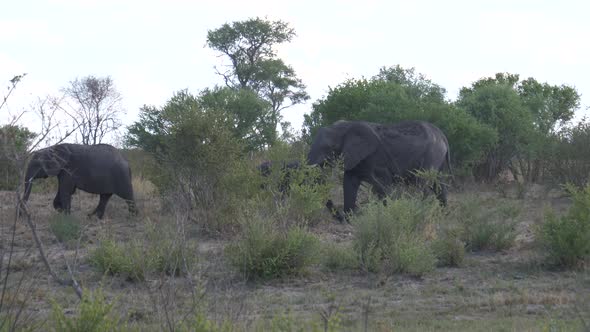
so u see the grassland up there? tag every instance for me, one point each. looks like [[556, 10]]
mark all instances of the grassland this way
[[507, 290]]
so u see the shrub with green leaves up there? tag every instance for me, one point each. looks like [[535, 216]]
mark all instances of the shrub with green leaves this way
[[266, 251], [566, 239], [93, 314], [160, 250], [14, 141], [66, 228], [448, 247], [339, 257], [486, 224], [296, 193], [115, 258], [568, 159], [397, 237], [197, 158]]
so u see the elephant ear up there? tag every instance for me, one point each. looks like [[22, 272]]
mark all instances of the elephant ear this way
[[54, 160], [358, 144]]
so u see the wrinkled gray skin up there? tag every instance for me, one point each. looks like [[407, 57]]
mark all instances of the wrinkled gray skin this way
[[97, 169], [381, 155]]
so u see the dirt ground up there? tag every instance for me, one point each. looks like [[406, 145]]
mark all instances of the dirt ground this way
[[510, 290]]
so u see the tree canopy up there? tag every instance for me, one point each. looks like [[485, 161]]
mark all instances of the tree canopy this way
[[250, 47]]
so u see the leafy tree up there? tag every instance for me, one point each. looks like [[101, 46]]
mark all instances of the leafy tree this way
[[568, 156], [197, 153], [14, 142], [499, 106], [249, 45], [550, 105], [416, 84], [526, 115], [95, 107], [250, 114]]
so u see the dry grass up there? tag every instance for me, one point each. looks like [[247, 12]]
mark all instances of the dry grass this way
[[491, 291]]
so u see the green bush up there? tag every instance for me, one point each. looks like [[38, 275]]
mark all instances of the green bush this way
[[448, 247], [200, 323], [93, 314], [161, 251], [339, 257], [265, 251], [397, 237], [569, 156], [14, 141], [296, 193], [486, 224], [197, 154], [566, 239], [66, 228], [115, 258]]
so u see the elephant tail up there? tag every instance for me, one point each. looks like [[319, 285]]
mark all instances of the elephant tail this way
[[449, 168]]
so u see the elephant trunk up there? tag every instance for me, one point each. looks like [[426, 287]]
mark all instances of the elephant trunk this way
[[32, 173], [28, 186]]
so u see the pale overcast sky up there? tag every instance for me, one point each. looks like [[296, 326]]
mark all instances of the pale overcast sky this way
[[154, 48]]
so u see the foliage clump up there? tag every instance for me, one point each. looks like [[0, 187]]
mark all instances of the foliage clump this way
[[14, 142], [266, 251], [485, 224], [566, 239], [397, 236], [161, 251], [568, 157], [93, 314], [66, 228], [199, 166]]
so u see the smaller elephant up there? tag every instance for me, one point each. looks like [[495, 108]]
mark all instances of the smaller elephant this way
[[97, 169], [265, 169]]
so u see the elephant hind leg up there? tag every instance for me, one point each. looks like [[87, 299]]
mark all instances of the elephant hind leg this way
[[440, 189], [102, 203], [441, 192]]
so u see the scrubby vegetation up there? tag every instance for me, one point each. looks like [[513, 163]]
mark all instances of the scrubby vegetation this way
[[565, 238], [95, 313], [161, 250], [66, 228], [396, 237], [214, 232], [486, 225], [267, 250]]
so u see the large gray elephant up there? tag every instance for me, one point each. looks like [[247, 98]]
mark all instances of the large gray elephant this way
[[97, 169], [381, 155]]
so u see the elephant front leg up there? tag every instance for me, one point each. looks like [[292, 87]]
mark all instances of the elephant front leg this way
[[351, 187], [65, 190], [102, 203], [57, 200]]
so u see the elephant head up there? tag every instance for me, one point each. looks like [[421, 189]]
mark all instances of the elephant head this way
[[43, 164], [355, 141]]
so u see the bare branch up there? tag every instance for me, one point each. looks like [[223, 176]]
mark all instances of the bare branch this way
[[14, 81], [95, 107]]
